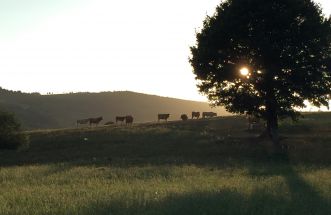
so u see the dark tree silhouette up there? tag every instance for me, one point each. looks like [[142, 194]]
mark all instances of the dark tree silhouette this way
[[11, 136], [285, 46]]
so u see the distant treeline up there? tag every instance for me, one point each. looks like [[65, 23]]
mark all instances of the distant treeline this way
[[62, 110]]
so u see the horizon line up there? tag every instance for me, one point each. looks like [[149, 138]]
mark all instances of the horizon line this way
[[95, 92]]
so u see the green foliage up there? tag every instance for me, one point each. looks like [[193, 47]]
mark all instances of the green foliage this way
[[285, 44], [11, 136]]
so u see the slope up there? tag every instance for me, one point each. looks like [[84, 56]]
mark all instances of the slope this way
[[62, 110]]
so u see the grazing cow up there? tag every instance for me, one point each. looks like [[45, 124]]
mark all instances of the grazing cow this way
[[95, 121], [163, 116], [195, 115], [120, 119], [128, 120], [184, 117], [208, 114], [109, 123], [82, 121], [253, 121]]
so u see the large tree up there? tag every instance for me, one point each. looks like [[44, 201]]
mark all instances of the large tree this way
[[265, 58]]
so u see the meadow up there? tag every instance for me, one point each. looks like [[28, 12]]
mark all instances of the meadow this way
[[212, 166]]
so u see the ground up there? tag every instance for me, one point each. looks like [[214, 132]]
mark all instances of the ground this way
[[212, 166]]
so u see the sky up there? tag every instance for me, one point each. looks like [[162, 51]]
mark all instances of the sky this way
[[64, 46]]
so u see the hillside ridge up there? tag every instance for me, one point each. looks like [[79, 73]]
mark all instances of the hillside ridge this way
[[37, 111]]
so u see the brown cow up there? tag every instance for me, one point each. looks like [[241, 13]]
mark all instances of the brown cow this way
[[208, 114], [195, 115], [82, 121], [120, 119], [129, 119], [163, 116], [109, 123], [184, 117], [95, 121]]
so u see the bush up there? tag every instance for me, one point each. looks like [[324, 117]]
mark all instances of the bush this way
[[11, 136]]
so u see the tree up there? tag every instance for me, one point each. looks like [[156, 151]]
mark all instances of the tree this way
[[264, 58], [11, 136]]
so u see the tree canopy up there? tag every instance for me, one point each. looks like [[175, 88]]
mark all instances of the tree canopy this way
[[284, 46]]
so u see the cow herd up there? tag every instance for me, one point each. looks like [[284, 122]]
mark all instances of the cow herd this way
[[128, 119], [253, 122]]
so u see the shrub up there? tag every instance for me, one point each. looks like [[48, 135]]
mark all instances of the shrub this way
[[11, 136]]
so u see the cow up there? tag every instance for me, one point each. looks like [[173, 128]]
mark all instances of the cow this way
[[128, 119], [163, 116], [95, 121], [184, 117], [120, 119], [109, 123], [82, 121], [195, 115], [253, 121], [208, 114]]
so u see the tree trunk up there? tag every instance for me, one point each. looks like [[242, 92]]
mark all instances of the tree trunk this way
[[272, 128], [272, 119]]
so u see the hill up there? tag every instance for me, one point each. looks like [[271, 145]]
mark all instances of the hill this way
[[62, 110], [207, 166]]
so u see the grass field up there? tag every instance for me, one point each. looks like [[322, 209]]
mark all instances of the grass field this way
[[196, 167]]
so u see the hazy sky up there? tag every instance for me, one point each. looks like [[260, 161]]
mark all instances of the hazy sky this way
[[102, 45]]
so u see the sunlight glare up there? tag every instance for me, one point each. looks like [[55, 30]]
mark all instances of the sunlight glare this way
[[244, 71]]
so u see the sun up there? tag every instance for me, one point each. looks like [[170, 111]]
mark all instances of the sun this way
[[244, 71]]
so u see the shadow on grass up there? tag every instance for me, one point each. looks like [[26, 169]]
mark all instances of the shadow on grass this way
[[301, 199], [165, 148], [182, 143], [215, 142]]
